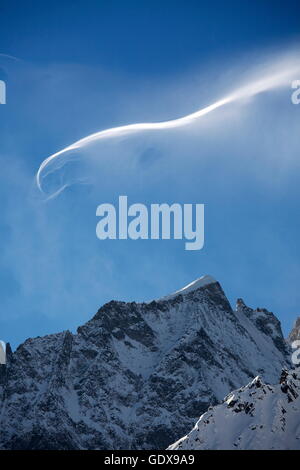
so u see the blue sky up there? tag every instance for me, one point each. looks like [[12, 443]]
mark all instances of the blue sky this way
[[81, 67]]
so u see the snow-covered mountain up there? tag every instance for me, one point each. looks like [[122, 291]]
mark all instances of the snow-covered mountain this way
[[258, 416], [137, 375]]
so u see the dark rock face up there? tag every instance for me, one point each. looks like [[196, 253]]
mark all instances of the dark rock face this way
[[266, 322], [136, 376]]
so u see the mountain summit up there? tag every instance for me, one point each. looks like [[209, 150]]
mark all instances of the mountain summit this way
[[137, 375]]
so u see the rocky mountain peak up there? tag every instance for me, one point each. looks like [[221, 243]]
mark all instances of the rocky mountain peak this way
[[240, 305], [295, 333], [199, 283], [137, 375]]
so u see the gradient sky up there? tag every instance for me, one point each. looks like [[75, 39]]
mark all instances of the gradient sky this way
[[73, 68]]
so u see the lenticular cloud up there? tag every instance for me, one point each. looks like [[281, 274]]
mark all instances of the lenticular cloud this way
[[277, 74]]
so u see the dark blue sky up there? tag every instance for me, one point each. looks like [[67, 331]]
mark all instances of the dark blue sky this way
[[83, 66], [141, 37]]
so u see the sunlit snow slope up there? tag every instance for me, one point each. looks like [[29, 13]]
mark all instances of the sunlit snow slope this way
[[257, 416]]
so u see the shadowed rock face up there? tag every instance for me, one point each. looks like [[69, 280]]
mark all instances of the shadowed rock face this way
[[295, 333], [266, 322], [137, 375]]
